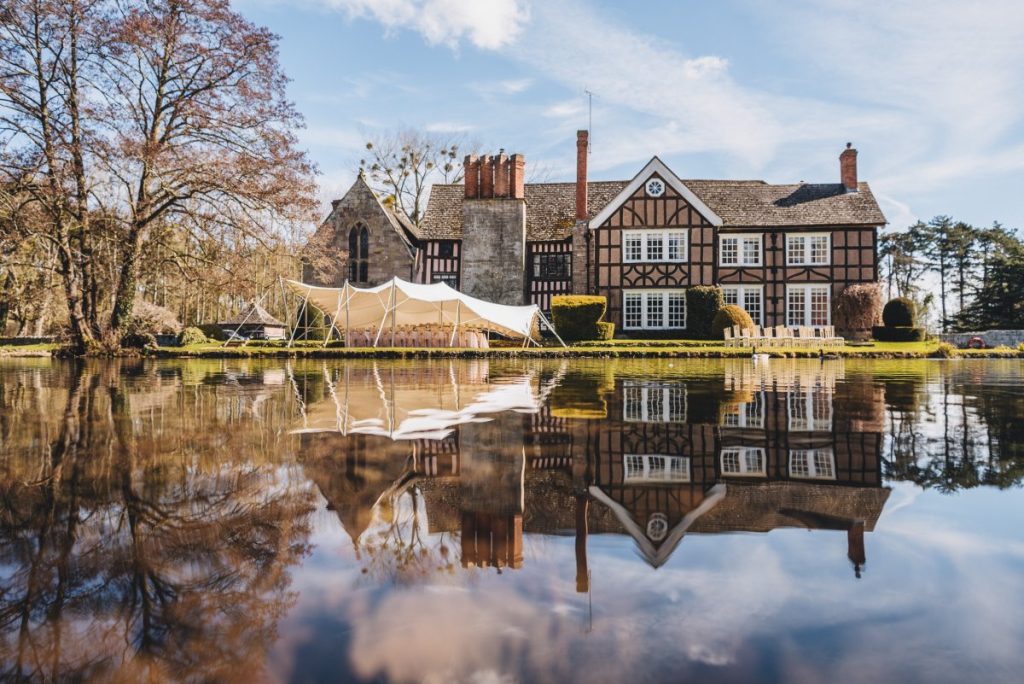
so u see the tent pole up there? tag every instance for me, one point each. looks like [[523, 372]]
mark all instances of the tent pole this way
[[394, 310], [334, 319], [302, 310], [550, 327], [384, 320], [347, 331], [455, 328], [245, 320]]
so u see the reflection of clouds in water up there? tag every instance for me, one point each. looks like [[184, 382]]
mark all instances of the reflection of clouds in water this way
[[720, 602]]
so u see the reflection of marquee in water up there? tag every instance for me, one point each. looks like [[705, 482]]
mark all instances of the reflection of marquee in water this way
[[495, 456]]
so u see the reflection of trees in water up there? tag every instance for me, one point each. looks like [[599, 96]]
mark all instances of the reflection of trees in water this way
[[141, 543], [956, 429]]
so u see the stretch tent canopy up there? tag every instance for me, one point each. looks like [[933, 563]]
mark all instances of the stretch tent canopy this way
[[401, 303]]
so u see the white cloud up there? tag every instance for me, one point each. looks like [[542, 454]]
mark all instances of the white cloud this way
[[448, 127], [487, 24]]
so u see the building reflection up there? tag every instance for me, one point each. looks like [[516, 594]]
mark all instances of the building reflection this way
[[790, 444]]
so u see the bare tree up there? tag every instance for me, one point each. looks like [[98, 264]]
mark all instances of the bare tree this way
[[145, 116], [402, 165]]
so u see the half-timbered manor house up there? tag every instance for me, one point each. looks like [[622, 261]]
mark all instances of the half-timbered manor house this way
[[782, 252]]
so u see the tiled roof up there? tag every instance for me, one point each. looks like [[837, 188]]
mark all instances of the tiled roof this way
[[551, 207], [253, 315]]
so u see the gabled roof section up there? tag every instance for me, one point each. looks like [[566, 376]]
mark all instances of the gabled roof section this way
[[401, 223], [754, 203], [656, 166], [253, 315]]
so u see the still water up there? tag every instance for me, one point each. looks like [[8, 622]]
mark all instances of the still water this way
[[499, 521]]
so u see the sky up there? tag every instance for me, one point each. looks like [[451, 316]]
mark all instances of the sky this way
[[931, 92]]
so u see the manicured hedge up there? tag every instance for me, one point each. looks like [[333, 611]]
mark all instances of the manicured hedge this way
[[190, 336], [576, 317], [605, 330], [728, 316], [703, 302], [901, 333], [900, 312]]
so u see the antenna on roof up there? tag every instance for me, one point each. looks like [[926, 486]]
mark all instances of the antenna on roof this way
[[590, 118]]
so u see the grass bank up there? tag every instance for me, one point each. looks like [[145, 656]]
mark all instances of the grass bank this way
[[609, 349]]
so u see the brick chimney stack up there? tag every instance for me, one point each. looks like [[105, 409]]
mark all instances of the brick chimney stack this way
[[848, 168], [471, 173], [499, 176], [486, 176], [582, 142]]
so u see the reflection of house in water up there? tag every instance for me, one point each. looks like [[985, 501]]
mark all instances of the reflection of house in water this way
[[791, 445]]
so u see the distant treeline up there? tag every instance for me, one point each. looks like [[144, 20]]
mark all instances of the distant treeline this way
[[980, 272]]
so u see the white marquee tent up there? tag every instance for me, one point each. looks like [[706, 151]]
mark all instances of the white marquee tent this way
[[401, 303]]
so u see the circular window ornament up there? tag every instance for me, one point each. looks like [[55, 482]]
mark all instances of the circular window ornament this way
[[657, 527], [655, 187]]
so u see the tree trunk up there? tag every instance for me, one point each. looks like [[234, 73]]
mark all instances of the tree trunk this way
[[127, 283]]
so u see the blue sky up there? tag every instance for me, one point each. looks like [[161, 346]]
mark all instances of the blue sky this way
[[930, 92]]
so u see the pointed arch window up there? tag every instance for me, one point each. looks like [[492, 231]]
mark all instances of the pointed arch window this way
[[358, 254]]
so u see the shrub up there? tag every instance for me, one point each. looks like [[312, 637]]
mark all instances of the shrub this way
[[857, 309], [153, 319], [190, 336], [702, 304], [884, 333], [139, 340], [900, 312], [213, 331], [575, 317], [728, 316], [605, 330], [310, 324], [944, 351]]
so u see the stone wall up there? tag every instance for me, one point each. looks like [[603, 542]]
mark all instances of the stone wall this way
[[993, 338], [493, 249], [327, 259]]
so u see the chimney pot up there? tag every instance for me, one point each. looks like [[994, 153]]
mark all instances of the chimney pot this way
[[848, 168], [501, 175], [582, 143], [471, 176], [516, 176]]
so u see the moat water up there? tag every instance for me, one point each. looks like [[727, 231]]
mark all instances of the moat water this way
[[504, 521]]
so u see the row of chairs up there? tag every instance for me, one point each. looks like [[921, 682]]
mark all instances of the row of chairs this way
[[782, 336], [434, 337]]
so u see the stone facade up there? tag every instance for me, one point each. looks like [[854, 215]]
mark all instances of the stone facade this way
[[992, 338], [493, 249], [390, 253]]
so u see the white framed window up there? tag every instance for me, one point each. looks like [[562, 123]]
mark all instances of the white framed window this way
[[809, 409], [808, 249], [809, 305], [739, 250], [748, 297], [812, 464], [666, 245], [653, 309], [651, 468], [745, 414], [654, 402], [744, 461]]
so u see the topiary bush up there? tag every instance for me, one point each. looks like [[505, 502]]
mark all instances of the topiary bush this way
[[310, 324], [902, 333], [575, 317], [191, 336], [605, 331], [900, 312], [728, 316], [703, 302], [857, 309]]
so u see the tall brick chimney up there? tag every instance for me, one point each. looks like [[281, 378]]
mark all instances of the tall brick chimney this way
[[848, 168], [486, 176], [471, 173], [517, 176], [582, 138]]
